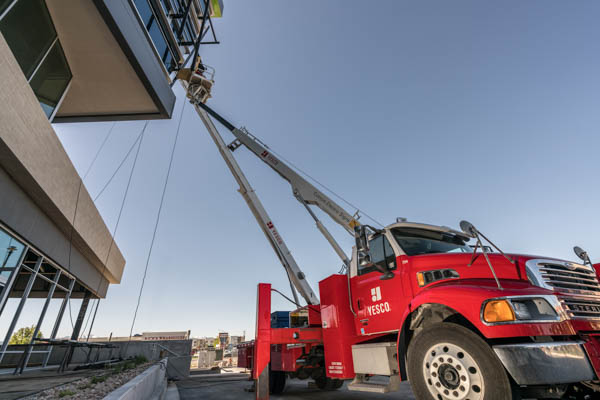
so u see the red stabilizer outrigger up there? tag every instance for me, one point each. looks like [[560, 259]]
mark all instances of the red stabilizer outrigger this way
[[267, 337]]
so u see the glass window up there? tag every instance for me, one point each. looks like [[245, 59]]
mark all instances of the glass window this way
[[29, 32], [157, 37], [381, 253], [144, 10], [415, 242], [155, 33], [10, 253], [51, 79], [169, 61], [166, 6]]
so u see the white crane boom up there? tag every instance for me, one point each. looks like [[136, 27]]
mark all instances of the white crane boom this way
[[303, 190], [306, 193], [293, 271]]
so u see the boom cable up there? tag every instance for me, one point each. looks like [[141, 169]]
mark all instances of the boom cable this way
[[83, 179], [158, 214], [114, 233], [339, 197], [121, 163], [71, 244], [110, 131]]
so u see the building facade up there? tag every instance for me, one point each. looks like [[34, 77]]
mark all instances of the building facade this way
[[67, 61]]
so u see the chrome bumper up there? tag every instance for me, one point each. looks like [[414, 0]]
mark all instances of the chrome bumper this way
[[546, 363]]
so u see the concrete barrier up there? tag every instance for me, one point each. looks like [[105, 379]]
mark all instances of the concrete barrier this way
[[179, 367], [152, 350], [149, 385]]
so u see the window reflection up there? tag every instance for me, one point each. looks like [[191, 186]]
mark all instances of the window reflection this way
[[28, 42], [10, 253], [155, 32], [51, 79], [37, 50]]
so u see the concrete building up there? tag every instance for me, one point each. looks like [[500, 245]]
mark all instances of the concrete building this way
[[63, 61], [235, 340], [183, 335], [146, 336]]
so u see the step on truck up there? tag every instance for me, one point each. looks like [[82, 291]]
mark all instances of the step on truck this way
[[457, 318]]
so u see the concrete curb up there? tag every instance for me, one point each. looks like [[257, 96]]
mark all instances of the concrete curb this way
[[172, 392], [150, 384]]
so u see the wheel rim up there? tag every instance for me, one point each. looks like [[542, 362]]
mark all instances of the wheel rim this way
[[452, 374]]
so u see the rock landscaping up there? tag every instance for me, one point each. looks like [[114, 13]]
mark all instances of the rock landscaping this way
[[97, 386]]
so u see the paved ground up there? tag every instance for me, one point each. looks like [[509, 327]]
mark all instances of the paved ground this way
[[232, 388], [14, 387]]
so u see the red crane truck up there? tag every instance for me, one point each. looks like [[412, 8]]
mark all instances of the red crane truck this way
[[417, 303]]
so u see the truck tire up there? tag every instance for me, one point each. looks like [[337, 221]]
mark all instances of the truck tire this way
[[449, 362], [276, 382], [325, 383]]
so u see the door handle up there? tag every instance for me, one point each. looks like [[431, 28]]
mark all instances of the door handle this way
[[365, 321]]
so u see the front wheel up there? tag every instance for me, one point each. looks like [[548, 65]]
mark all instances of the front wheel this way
[[449, 362]]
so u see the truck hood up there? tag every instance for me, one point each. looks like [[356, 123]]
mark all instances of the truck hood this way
[[468, 269], [479, 269]]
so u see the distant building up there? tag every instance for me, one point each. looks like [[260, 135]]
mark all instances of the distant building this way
[[235, 340], [185, 335], [223, 339], [146, 336]]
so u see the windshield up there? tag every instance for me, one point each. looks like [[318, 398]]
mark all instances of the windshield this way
[[416, 241]]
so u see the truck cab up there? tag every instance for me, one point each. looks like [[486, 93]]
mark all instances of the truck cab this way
[[457, 331], [396, 248]]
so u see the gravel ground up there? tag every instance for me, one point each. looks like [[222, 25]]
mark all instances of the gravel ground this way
[[92, 388]]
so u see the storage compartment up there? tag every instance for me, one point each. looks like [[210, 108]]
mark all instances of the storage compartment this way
[[280, 319], [375, 358]]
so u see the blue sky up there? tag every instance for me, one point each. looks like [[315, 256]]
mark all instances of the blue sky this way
[[435, 111]]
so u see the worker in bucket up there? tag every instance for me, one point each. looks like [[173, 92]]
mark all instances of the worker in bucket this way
[[199, 84]]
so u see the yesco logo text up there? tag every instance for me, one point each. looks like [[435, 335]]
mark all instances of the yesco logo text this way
[[378, 308]]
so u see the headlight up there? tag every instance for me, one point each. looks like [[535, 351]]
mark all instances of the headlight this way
[[518, 309]]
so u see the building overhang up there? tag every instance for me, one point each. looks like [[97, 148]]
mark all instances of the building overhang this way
[[117, 74]]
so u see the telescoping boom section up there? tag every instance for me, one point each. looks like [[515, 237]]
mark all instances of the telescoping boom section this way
[[295, 275], [306, 193], [303, 190]]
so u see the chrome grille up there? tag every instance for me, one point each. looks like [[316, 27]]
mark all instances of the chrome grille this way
[[580, 308], [564, 277], [577, 279]]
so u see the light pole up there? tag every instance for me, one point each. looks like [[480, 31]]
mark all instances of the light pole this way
[[10, 250]]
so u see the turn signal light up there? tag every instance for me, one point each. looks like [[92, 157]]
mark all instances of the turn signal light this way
[[498, 311], [420, 279]]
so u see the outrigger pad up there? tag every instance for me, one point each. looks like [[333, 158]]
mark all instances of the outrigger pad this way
[[262, 385]]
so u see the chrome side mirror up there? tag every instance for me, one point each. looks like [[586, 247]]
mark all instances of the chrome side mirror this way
[[360, 236], [468, 228], [364, 259], [582, 254]]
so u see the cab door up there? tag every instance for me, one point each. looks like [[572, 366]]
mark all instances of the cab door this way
[[379, 304]]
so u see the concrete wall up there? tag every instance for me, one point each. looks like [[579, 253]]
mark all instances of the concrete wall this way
[[149, 349], [33, 157], [149, 385], [112, 24], [122, 78], [18, 210], [206, 358]]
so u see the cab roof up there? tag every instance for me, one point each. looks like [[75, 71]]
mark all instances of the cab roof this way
[[437, 228]]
